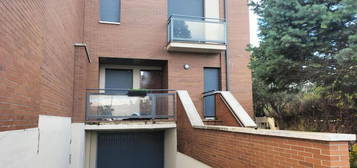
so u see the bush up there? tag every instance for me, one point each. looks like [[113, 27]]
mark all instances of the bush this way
[[353, 156]]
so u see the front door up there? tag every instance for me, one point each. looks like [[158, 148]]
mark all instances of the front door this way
[[130, 150], [211, 83]]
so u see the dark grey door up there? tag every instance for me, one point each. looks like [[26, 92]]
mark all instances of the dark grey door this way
[[130, 150], [119, 79], [211, 82]]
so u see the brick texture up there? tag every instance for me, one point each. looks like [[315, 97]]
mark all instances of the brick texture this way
[[221, 149], [36, 59], [80, 84], [142, 35], [37, 67], [224, 114]]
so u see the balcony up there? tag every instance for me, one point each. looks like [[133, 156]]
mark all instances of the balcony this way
[[124, 104], [196, 34]]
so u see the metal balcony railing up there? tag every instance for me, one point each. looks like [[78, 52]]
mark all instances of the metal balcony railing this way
[[196, 30], [209, 101], [120, 104]]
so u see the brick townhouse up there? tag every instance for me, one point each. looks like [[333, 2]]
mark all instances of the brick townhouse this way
[[138, 83]]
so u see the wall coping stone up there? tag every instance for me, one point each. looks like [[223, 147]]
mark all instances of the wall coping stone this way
[[319, 136]]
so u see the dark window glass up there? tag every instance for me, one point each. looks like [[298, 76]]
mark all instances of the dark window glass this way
[[118, 79], [186, 7], [151, 79], [110, 10]]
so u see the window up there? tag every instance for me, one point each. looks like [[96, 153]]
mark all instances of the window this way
[[110, 11], [186, 7]]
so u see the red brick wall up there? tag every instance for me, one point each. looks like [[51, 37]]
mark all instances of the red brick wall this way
[[80, 84], [142, 34], [37, 53], [237, 150], [36, 59], [224, 114], [238, 38]]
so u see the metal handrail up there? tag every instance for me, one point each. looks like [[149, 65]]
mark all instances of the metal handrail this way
[[209, 93], [195, 17], [121, 89]]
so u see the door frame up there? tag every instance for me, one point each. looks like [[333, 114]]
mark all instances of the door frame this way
[[135, 69], [170, 145], [161, 132], [219, 88]]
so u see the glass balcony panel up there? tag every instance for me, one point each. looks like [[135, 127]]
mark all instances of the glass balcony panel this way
[[197, 30], [118, 105]]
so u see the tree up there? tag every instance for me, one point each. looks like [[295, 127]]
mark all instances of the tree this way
[[307, 45], [181, 30]]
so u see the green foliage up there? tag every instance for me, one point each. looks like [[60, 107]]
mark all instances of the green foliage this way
[[105, 110], [300, 40], [305, 68], [353, 156]]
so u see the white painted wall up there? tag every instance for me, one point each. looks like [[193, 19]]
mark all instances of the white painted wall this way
[[213, 31], [47, 146], [185, 161], [170, 148], [77, 145], [211, 8], [91, 149], [54, 145], [18, 149]]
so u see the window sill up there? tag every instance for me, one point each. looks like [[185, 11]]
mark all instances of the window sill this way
[[106, 22]]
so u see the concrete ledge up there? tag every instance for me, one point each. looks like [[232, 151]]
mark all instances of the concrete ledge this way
[[189, 108], [238, 110], [196, 47], [130, 126], [319, 136]]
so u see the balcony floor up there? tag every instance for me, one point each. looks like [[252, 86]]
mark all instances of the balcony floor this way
[[130, 125], [196, 47]]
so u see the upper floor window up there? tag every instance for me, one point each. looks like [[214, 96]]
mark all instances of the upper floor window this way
[[110, 11], [186, 7]]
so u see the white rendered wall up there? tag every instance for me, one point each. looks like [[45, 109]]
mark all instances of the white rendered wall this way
[[54, 145], [170, 148], [213, 31], [47, 146], [185, 161], [77, 145], [18, 149]]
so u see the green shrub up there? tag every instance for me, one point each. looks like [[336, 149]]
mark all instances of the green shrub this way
[[353, 156]]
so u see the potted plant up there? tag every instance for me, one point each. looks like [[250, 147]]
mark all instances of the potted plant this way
[[137, 92]]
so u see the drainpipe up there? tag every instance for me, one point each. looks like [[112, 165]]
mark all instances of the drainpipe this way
[[226, 55], [85, 49]]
